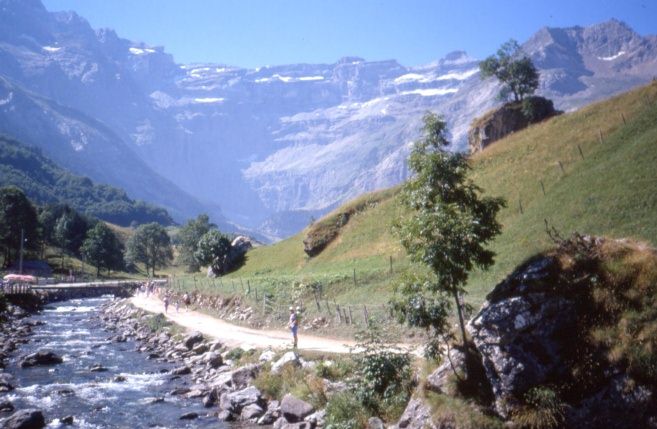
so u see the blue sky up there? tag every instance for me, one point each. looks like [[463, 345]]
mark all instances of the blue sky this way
[[252, 33]]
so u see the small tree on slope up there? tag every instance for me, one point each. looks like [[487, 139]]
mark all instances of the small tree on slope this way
[[445, 227], [514, 69]]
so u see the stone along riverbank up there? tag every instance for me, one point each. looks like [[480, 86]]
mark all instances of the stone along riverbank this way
[[211, 374], [60, 369]]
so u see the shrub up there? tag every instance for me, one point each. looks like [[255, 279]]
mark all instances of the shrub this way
[[543, 409], [344, 411], [157, 322]]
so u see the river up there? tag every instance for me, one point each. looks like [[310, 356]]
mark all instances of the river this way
[[72, 330]]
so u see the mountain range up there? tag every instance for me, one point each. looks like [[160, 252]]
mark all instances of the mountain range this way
[[271, 147]]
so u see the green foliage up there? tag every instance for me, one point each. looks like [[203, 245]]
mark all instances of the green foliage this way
[[383, 382], [543, 409], [69, 230], [455, 412], [345, 411], [235, 354], [188, 239], [513, 69], [536, 108], [213, 249], [157, 322], [446, 226], [102, 249], [47, 183], [16, 213], [151, 246]]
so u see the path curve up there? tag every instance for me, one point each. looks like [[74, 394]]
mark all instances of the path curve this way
[[240, 336]]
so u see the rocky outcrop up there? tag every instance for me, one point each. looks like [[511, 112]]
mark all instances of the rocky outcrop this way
[[25, 419], [507, 119]]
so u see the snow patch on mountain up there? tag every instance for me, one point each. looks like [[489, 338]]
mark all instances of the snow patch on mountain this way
[[612, 57], [141, 51], [51, 48], [430, 92]]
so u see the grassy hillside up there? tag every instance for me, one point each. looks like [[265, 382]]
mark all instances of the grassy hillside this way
[[610, 188], [43, 181]]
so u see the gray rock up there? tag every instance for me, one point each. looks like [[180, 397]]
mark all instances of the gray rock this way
[[225, 416], [317, 418], [120, 379], [242, 376], [68, 420], [235, 401], [6, 406], [417, 415], [183, 370], [189, 416], [289, 358], [6, 381], [375, 423], [97, 368], [267, 356], [191, 340], [294, 409], [25, 419], [199, 349], [214, 360], [41, 357], [210, 399], [439, 380], [252, 411]]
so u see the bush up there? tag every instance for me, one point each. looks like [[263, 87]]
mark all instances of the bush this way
[[344, 411], [542, 410], [157, 323], [536, 109]]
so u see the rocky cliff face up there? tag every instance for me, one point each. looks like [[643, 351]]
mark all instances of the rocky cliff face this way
[[296, 139], [507, 119]]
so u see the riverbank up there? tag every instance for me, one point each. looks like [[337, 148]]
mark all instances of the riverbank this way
[[232, 383]]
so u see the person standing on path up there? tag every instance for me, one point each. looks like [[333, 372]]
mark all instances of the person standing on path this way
[[294, 326], [166, 303]]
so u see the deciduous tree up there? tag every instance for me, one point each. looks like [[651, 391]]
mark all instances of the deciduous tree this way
[[188, 238], [446, 227], [151, 246], [213, 250], [16, 213], [102, 248], [513, 69]]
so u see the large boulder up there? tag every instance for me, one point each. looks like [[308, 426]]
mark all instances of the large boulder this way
[[507, 119], [192, 339], [6, 381], [294, 409], [25, 419], [417, 415], [236, 401], [289, 358], [519, 332], [242, 376], [42, 357]]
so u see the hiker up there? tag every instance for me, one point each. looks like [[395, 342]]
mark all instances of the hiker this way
[[177, 305], [166, 302], [186, 300], [294, 325]]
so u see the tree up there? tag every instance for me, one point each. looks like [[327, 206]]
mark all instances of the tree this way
[[446, 226], [514, 69], [188, 237], [214, 250], [16, 213], [151, 246], [64, 227], [102, 249]]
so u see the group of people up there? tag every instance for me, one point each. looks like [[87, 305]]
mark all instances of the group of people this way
[[167, 300]]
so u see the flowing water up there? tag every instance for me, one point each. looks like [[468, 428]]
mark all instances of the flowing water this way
[[73, 330]]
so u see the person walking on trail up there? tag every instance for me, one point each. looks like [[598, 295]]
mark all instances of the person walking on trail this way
[[294, 325], [186, 300], [166, 303]]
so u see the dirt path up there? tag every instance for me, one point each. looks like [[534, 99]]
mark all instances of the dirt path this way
[[239, 336]]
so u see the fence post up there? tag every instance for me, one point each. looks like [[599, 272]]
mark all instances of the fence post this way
[[623, 116], [561, 166], [344, 313], [351, 317], [337, 310], [366, 314], [520, 205], [542, 186], [355, 277], [391, 264], [319, 308], [580, 151], [600, 135]]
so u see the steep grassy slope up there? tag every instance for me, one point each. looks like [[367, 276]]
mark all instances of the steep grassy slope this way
[[608, 189]]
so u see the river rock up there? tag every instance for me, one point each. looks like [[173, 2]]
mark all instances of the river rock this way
[[199, 349], [41, 358], [294, 409], [210, 399], [98, 368], [288, 358], [68, 420], [191, 340], [272, 414], [189, 416], [183, 370], [213, 359], [6, 406], [225, 416], [120, 379], [375, 423], [252, 411], [235, 401], [6, 382], [241, 377], [25, 419]]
